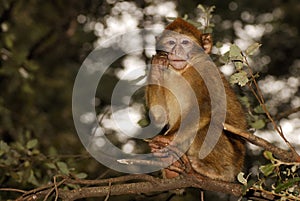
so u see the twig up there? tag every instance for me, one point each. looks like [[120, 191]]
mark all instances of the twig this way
[[32, 192], [259, 97], [287, 113], [12, 189], [280, 153], [108, 194], [55, 185]]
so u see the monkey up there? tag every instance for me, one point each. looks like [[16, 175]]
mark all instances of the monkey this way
[[180, 43]]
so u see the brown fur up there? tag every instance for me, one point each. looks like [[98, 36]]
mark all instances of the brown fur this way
[[227, 157]]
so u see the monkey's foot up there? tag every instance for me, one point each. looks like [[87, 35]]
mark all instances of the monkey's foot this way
[[161, 147]]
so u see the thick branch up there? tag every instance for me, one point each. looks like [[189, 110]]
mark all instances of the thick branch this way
[[280, 153], [110, 187], [150, 187]]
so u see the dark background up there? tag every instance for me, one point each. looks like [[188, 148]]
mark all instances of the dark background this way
[[43, 44]]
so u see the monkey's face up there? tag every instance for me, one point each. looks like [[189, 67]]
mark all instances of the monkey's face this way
[[180, 49]]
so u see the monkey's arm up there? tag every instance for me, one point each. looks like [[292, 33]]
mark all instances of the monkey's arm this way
[[155, 92]]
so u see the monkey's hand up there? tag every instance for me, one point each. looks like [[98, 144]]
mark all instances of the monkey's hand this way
[[161, 147], [159, 63]]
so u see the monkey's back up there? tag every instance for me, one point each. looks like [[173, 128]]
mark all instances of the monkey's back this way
[[226, 159]]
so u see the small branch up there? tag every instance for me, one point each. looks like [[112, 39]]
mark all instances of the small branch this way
[[108, 194], [280, 153], [32, 193], [12, 189], [260, 98], [287, 113]]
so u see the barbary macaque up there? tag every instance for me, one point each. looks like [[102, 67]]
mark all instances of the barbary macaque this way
[[170, 103]]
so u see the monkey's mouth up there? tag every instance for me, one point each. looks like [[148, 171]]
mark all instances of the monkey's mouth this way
[[178, 64], [178, 60]]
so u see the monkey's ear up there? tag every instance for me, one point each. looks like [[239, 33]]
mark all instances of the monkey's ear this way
[[207, 42]]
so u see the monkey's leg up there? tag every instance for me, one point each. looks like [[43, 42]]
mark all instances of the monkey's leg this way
[[161, 147]]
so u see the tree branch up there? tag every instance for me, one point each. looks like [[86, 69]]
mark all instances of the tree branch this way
[[280, 153], [151, 185], [157, 185], [287, 113], [137, 184]]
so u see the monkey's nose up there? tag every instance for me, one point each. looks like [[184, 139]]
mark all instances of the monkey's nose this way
[[176, 57]]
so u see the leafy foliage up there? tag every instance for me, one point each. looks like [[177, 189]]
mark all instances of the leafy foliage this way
[[278, 180], [25, 165], [244, 77]]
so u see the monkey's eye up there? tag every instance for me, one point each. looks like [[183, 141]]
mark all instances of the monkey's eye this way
[[171, 42], [185, 42]]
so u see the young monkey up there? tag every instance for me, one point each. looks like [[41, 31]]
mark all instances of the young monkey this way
[[179, 44]]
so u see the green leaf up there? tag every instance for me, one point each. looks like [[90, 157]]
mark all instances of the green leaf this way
[[211, 9], [219, 44], [208, 30], [50, 165], [259, 110], [235, 53], [31, 143], [143, 122], [4, 148], [238, 64], [252, 48], [287, 184], [19, 146], [258, 124], [52, 151], [294, 168], [268, 155], [81, 175], [267, 169], [62, 166], [32, 179], [35, 152], [245, 101], [196, 24], [72, 186], [201, 7], [225, 58], [26, 164], [9, 41], [242, 179], [239, 78], [248, 186]]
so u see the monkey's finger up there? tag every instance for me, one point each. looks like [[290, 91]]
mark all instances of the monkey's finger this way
[[162, 140]]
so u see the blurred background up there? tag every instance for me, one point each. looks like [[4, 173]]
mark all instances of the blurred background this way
[[44, 43]]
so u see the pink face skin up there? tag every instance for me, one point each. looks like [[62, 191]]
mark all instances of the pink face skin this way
[[179, 48]]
